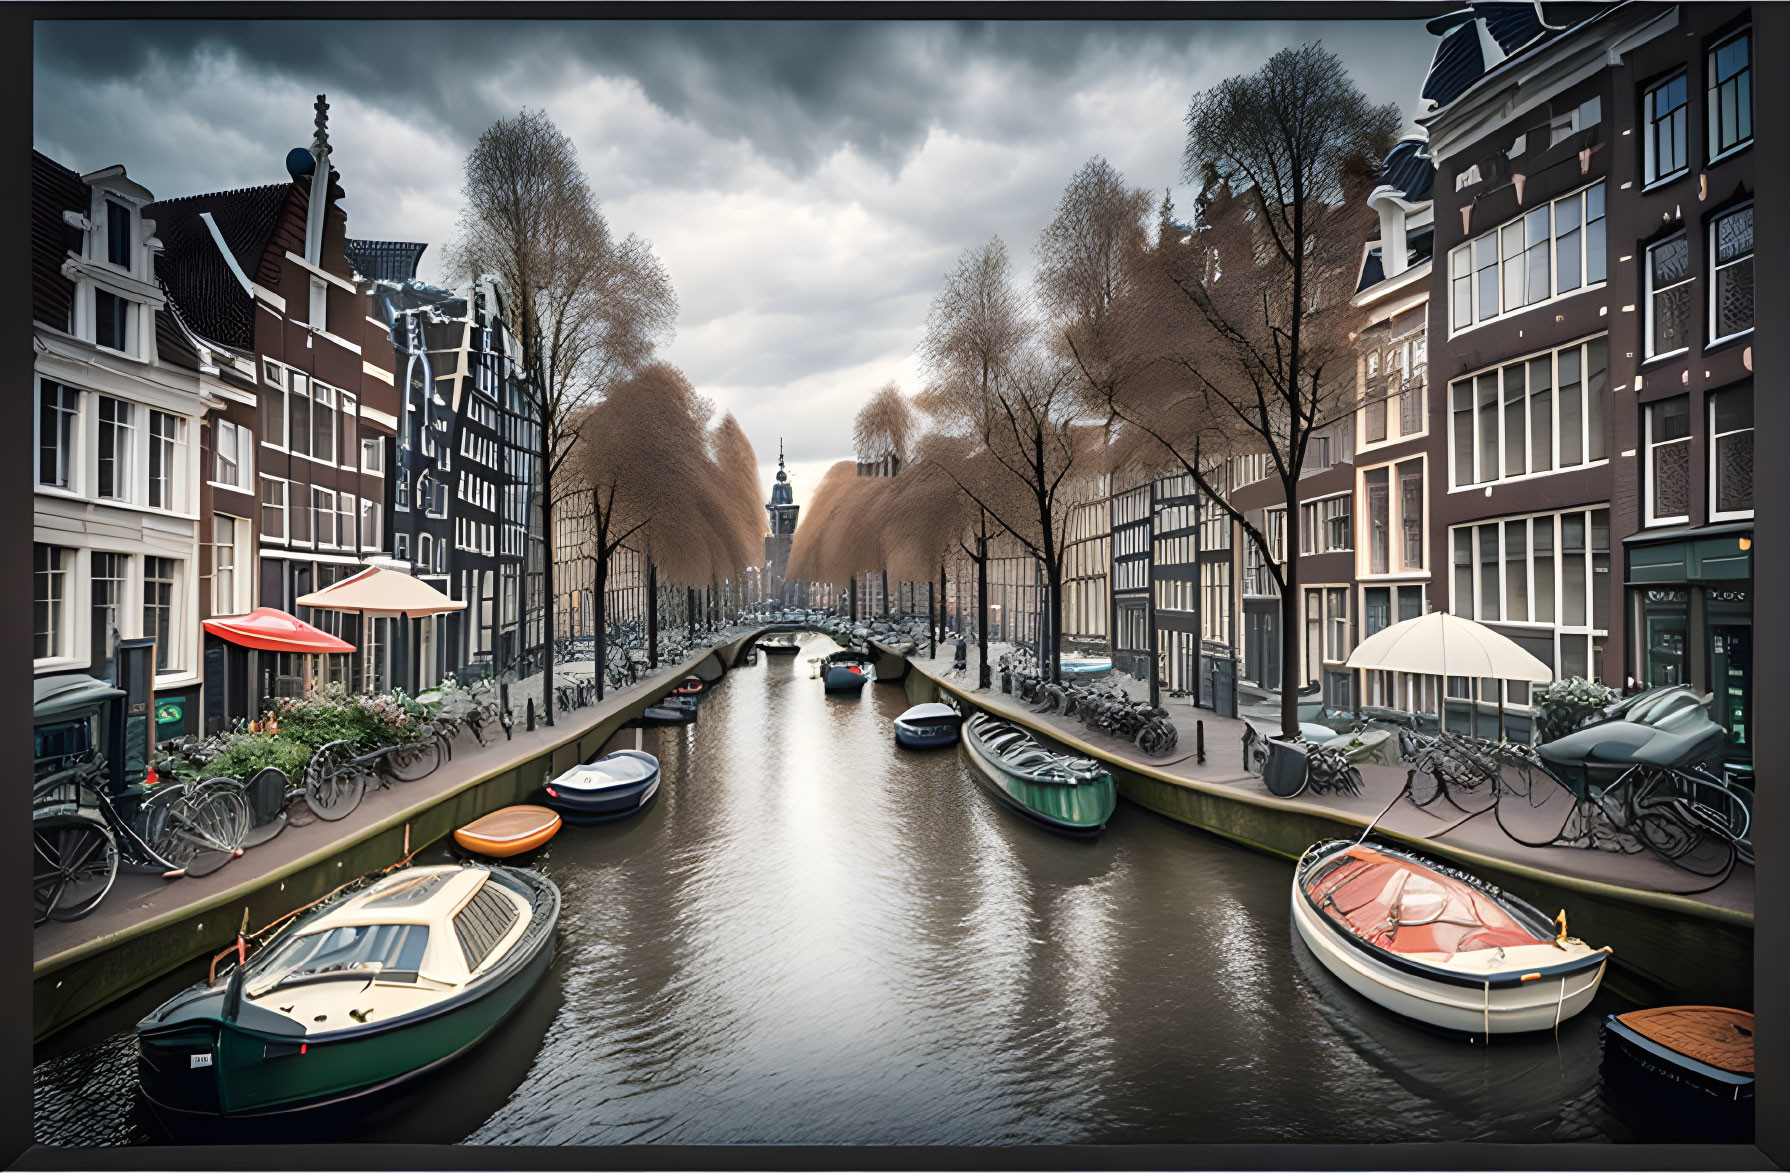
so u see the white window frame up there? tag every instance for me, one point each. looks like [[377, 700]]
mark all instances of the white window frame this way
[[372, 455], [1396, 570], [1583, 346], [285, 508], [277, 377], [323, 402], [1711, 102], [323, 505], [68, 456], [1650, 449], [1463, 262], [132, 311], [124, 480], [243, 441], [62, 635], [1715, 438], [173, 462], [230, 602], [177, 620], [369, 524], [1648, 293], [1557, 625], [1714, 271], [1651, 175]]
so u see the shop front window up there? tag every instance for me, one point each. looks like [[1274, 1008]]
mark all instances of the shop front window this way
[[1665, 624]]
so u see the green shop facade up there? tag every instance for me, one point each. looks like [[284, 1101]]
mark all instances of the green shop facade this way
[[1691, 598]]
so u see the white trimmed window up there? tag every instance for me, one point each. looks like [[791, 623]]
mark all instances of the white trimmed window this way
[[346, 514], [323, 516], [1668, 296], [1325, 526], [117, 446], [372, 455], [369, 523], [1393, 507], [1545, 253], [323, 422], [273, 507], [114, 321], [49, 601], [58, 408], [273, 404], [1731, 274], [1731, 463], [298, 414], [1550, 571], [229, 564], [233, 456], [1531, 417], [161, 580], [167, 440], [1664, 115], [1669, 461], [1731, 94]]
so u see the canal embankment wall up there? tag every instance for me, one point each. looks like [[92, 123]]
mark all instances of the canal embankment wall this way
[[1667, 947], [119, 950]]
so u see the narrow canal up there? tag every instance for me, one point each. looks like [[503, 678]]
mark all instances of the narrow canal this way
[[816, 937]]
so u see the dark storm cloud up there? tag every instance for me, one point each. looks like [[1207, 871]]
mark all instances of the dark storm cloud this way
[[795, 91]]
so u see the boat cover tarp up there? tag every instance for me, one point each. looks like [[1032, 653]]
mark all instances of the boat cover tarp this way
[[930, 711], [622, 768], [269, 629], [1403, 907]]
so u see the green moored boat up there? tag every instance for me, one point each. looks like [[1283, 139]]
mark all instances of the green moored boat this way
[[1065, 793], [356, 995]]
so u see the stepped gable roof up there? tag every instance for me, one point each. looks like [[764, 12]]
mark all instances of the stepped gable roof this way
[[384, 260], [55, 189], [1408, 168], [212, 302]]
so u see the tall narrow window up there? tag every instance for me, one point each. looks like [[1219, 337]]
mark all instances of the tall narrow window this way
[[323, 516], [273, 508], [223, 565], [49, 595], [56, 409], [1572, 570], [1732, 466], [1461, 598], [1541, 413], [224, 453], [106, 610], [1488, 426], [158, 610], [1596, 262], [164, 450], [118, 234], [111, 320], [323, 423], [1668, 296], [1515, 426], [1568, 243], [273, 407], [1485, 267], [1597, 393], [1542, 537], [1488, 573], [1571, 402], [1731, 93], [1600, 569], [1731, 286], [1516, 571], [1511, 243], [1663, 112], [1669, 460], [117, 439], [1410, 513], [299, 408], [1536, 278], [1336, 617], [1379, 521]]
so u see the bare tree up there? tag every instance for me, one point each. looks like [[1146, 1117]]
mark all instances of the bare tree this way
[[1236, 339], [588, 309], [884, 426], [1087, 251]]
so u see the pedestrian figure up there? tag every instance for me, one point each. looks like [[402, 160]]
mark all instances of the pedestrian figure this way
[[962, 660]]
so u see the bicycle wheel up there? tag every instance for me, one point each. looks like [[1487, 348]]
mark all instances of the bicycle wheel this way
[[1423, 786], [180, 822], [419, 759], [1667, 827], [74, 863], [333, 787]]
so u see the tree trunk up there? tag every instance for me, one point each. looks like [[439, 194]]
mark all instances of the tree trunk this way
[[1291, 619], [548, 602], [983, 676], [854, 599], [600, 610], [885, 594]]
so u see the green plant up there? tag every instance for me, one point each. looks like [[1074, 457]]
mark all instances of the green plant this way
[[366, 722], [246, 753], [1566, 706]]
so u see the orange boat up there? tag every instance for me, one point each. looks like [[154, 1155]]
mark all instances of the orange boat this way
[[690, 687], [509, 831]]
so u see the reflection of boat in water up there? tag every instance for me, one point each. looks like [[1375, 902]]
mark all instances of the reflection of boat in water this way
[[779, 645], [1670, 1064], [613, 786], [356, 995], [1063, 792], [928, 725], [1434, 943]]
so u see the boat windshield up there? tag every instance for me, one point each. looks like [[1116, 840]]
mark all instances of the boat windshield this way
[[393, 951]]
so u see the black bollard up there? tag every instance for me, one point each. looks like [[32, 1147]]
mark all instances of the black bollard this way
[[531, 714], [1199, 742]]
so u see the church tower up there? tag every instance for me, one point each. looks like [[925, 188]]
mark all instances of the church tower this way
[[783, 511]]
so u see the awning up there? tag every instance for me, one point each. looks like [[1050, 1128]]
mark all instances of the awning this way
[[269, 629], [378, 589], [52, 696]]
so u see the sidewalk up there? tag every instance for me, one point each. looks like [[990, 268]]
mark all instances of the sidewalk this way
[[136, 898], [1441, 823]]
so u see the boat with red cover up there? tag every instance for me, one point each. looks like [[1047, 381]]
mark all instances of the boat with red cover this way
[[1437, 944]]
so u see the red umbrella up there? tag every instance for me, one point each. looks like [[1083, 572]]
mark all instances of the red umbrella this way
[[269, 629]]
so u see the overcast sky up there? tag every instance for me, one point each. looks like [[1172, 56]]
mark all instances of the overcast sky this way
[[807, 185]]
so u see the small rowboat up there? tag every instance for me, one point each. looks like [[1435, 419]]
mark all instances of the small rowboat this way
[[1074, 795], [1439, 945], [846, 671], [509, 831], [1703, 1052], [613, 786], [928, 725], [779, 646], [690, 686], [1089, 666]]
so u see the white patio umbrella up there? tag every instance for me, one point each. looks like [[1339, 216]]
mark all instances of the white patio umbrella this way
[[1442, 644], [378, 591]]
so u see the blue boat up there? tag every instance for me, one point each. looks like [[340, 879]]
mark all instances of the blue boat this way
[[612, 787], [928, 725], [1086, 667]]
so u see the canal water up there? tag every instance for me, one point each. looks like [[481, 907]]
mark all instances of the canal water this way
[[814, 936]]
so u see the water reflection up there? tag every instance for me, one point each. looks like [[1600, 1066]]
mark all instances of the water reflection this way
[[813, 936]]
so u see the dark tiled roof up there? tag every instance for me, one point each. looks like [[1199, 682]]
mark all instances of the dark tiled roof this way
[[1408, 168], [1421, 244], [1512, 23], [171, 343], [54, 190], [1458, 63], [1372, 272], [196, 275], [384, 260]]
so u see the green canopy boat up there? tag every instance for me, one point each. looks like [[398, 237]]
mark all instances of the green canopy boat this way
[[355, 995], [1065, 793]]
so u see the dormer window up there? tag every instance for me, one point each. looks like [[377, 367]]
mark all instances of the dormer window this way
[[118, 235], [111, 320]]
